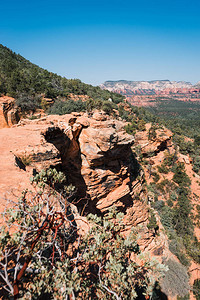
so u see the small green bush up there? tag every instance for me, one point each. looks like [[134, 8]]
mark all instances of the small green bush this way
[[156, 176], [67, 107], [141, 125], [28, 103], [169, 203], [196, 163], [158, 205], [176, 246], [167, 215], [180, 176], [130, 128], [153, 225], [152, 133], [163, 169], [108, 107]]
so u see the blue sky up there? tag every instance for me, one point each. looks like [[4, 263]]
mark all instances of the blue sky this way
[[106, 40]]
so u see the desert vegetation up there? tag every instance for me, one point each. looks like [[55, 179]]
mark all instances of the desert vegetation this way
[[43, 253]]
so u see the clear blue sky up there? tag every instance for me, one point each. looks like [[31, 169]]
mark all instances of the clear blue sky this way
[[106, 40]]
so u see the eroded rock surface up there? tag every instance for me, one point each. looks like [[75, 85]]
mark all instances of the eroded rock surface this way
[[94, 153], [97, 157], [9, 114]]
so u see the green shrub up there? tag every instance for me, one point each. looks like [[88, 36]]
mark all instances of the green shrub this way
[[196, 163], [108, 107], [152, 133], [167, 215], [92, 104], [158, 205], [49, 176], [141, 125], [163, 185], [28, 103], [156, 177], [170, 159], [184, 147], [176, 246], [125, 115], [182, 218], [152, 224], [193, 249], [180, 177], [197, 217], [67, 107], [163, 169], [99, 267], [197, 140], [169, 203], [173, 196], [41, 239], [130, 128]]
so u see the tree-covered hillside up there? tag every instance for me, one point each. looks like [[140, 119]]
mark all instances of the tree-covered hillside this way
[[180, 116], [20, 76]]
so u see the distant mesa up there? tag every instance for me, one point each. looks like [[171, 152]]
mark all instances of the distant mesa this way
[[153, 85], [144, 93]]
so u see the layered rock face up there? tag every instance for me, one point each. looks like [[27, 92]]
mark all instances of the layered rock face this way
[[97, 157], [9, 115], [94, 153]]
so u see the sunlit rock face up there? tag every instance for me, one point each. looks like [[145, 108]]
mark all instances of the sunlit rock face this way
[[97, 157]]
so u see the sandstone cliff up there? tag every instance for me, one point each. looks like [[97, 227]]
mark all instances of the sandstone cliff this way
[[97, 157], [94, 153]]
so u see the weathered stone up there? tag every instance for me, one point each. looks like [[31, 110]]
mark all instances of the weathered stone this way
[[96, 157], [8, 114]]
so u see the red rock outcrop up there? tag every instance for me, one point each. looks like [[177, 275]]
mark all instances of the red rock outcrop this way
[[95, 153], [9, 115]]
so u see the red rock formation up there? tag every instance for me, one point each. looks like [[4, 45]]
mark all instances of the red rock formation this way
[[9, 115], [96, 155]]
